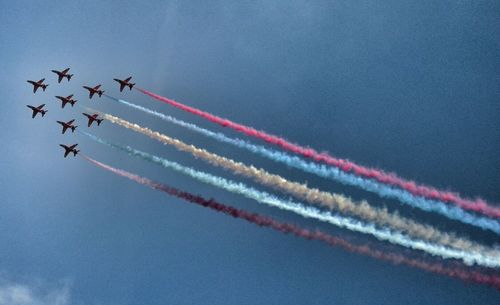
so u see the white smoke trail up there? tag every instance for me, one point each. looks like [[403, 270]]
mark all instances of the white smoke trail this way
[[311, 212], [333, 173], [332, 201]]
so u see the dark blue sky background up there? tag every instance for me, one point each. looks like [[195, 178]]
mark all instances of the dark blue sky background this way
[[411, 88]]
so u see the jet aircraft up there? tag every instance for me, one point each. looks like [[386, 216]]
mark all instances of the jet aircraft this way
[[94, 90], [66, 125], [69, 149], [124, 83], [62, 74], [38, 84], [67, 99], [37, 110], [92, 118]]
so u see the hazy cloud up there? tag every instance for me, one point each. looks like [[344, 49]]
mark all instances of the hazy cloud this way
[[34, 293]]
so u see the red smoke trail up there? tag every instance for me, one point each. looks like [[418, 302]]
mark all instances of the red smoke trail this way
[[477, 205], [264, 221]]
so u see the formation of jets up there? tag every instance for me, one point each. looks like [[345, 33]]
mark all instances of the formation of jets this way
[[68, 149]]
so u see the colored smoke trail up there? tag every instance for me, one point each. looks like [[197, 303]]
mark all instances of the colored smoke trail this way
[[477, 205], [333, 173], [483, 259], [264, 221], [333, 201]]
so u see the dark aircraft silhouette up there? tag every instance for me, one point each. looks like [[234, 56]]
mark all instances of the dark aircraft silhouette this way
[[38, 84], [67, 99], [66, 125], [124, 83], [62, 74], [69, 149], [93, 118], [94, 90], [36, 110]]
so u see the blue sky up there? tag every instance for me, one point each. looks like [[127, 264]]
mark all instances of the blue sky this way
[[412, 88]]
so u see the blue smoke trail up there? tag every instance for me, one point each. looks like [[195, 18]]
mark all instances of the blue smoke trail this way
[[333, 173], [467, 257]]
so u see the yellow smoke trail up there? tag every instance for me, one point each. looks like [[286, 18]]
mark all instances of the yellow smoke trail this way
[[312, 195]]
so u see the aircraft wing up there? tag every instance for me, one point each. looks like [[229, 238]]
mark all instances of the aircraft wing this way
[[34, 113], [73, 146], [91, 94], [128, 79], [35, 87], [70, 122], [41, 81], [97, 87], [65, 71], [122, 85], [66, 153], [41, 106], [60, 77]]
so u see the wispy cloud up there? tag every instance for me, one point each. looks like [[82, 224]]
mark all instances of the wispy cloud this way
[[34, 292]]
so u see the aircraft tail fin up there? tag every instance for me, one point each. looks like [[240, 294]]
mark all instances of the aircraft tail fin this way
[[131, 86], [73, 128], [44, 112], [70, 76], [99, 122]]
